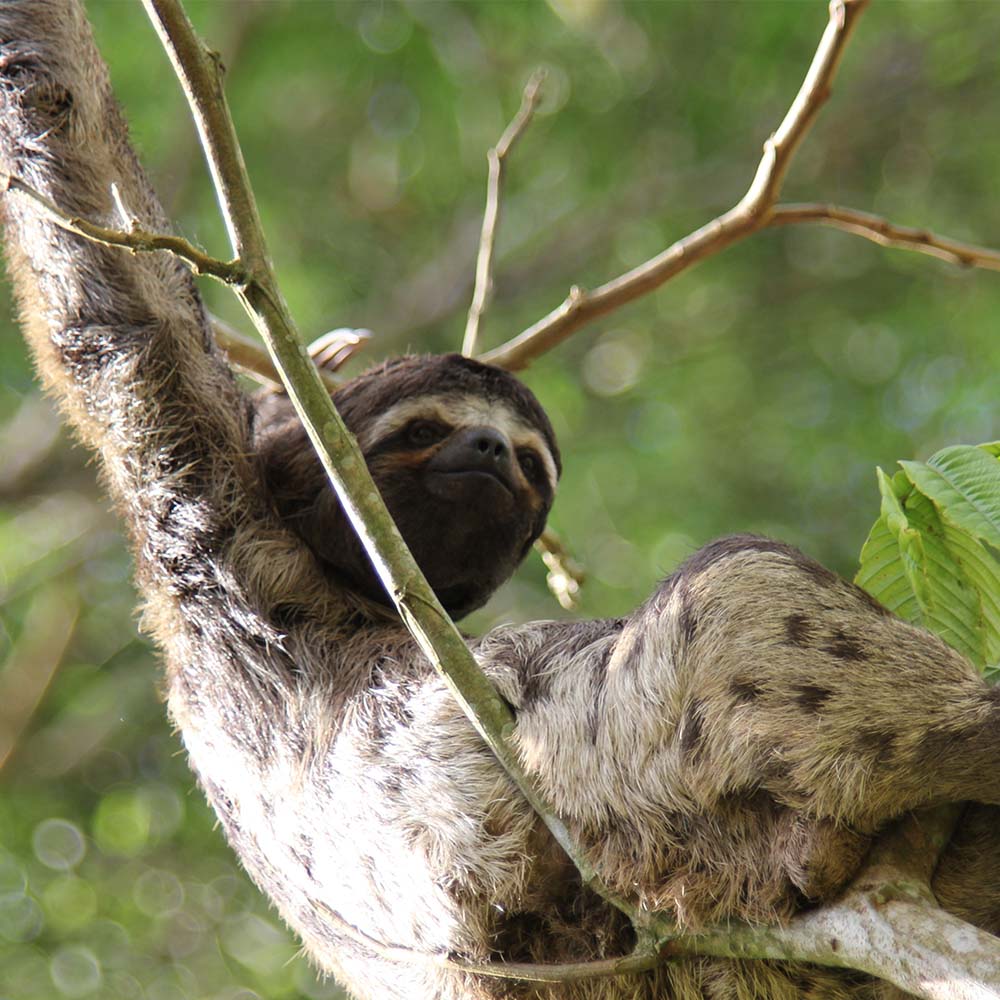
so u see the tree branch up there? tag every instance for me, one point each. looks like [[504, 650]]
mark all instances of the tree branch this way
[[247, 354], [748, 215], [886, 233], [136, 239], [200, 75], [497, 158]]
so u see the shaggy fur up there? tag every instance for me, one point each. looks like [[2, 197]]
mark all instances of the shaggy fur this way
[[725, 750]]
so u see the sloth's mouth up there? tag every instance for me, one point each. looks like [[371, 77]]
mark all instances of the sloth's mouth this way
[[467, 484]]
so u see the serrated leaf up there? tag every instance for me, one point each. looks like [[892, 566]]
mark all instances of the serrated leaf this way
[[964, 483], [959, 577], [991, 447]]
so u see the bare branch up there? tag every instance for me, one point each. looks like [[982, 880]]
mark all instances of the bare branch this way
[[497, 157], [338, 451], [136, 239], [886, 233], [813, 94], [565, 575], [747, 216], [248, 355]]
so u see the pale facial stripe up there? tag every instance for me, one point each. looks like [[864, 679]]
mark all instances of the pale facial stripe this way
[[463, 411]]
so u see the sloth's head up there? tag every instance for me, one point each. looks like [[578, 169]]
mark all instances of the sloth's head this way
[[463, 455]]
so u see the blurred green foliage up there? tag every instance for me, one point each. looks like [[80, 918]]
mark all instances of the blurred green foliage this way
[[756, 392]]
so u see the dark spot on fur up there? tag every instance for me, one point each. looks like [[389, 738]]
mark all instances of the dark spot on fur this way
[[688, 619], [304, 860], [536, 684], [936, 745], [599, 680], [745, 690], [811, 697], [798, 629], [875, 742], [817, 572], [691, 729], [637, 651], [844, 646]]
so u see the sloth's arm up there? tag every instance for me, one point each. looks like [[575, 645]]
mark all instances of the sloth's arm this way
[[122, 340]]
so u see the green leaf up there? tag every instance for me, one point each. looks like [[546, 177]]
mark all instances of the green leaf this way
[[883, 576], [933, 573], [964, 483], [908, 540]]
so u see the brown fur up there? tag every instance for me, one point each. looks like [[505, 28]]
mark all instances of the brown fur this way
[[724, 751]]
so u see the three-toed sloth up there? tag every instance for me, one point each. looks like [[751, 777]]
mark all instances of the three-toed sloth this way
[[726, 750]]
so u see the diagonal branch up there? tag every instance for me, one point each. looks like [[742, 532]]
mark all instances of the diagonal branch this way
[[200, 74], [497, 157]]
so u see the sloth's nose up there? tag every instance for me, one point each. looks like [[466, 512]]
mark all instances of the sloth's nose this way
[[489, 444], [477, 449]]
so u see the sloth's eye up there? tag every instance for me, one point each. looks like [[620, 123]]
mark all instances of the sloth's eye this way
[[530, 464], [424, 432]]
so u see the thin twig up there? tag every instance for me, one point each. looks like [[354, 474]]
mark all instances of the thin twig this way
[[746, 217], [136, 240], [565, 575], [641, 960], [200, 74], [497, 158], [886, 233], [241, 350]]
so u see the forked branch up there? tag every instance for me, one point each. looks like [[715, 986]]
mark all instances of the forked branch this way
[[756, 210], [748, 215]]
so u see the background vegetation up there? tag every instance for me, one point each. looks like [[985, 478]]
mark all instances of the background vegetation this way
[[756, 392]]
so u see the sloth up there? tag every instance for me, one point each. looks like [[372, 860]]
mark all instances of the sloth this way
[[725, 751]]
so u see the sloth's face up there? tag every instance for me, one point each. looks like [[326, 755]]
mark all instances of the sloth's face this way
[[464, 457], [469, 482]]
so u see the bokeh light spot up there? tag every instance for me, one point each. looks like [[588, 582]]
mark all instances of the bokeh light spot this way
[[58, 844], [75, 971]]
